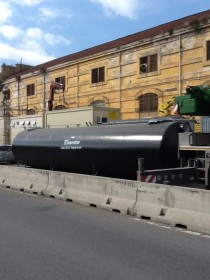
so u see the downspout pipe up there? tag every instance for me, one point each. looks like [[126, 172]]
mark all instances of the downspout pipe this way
[[43, 72], [180, 65]]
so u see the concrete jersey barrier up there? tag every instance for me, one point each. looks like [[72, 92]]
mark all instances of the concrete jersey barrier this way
[[176, 206], [102, 192], [23, 179]]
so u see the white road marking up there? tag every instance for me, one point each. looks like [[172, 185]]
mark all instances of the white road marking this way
[[173, 228]]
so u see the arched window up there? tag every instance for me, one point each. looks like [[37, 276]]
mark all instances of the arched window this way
[[31, 112], [98, 103], [148, 103], [60, 107]]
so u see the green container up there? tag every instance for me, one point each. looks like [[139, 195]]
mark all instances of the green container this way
[[195, 102]]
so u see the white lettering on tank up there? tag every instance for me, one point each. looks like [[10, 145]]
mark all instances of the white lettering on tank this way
[[71, 144]]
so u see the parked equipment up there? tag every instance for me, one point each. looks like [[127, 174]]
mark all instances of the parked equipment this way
[[195, 102], [161, 150], [194, 148], [111, 150]]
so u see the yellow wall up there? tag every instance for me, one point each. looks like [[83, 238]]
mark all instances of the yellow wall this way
[[181, 62]]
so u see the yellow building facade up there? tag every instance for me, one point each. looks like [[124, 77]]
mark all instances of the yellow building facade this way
[[138, 74]]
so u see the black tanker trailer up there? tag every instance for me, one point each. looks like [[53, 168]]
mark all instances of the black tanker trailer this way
[[110, 150]]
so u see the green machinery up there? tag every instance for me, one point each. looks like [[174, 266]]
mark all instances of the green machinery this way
[[195, 102]]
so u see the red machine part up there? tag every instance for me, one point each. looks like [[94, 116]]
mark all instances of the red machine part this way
[[53, 87]]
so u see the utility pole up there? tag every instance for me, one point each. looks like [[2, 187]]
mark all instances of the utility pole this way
[[6, 115]]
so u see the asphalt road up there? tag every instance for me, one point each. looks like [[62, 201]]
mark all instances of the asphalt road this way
[[46, 239]]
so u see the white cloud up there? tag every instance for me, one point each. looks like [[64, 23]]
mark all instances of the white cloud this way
[[47, 13], [34, 33], [26, 2], [126, 8], [30, 56], [37, 35], [30, 44], [29, 2], [6, 8], [10, 32], [52, 39], [6, 11]]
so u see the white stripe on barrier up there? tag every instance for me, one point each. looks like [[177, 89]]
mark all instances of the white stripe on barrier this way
[[149, 179]]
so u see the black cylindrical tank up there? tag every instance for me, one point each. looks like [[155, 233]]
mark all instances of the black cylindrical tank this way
[[100, 150]]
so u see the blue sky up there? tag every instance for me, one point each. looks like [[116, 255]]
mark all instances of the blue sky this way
[[36, 31]]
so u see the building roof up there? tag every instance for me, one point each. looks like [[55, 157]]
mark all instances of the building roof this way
[[158, 30]]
